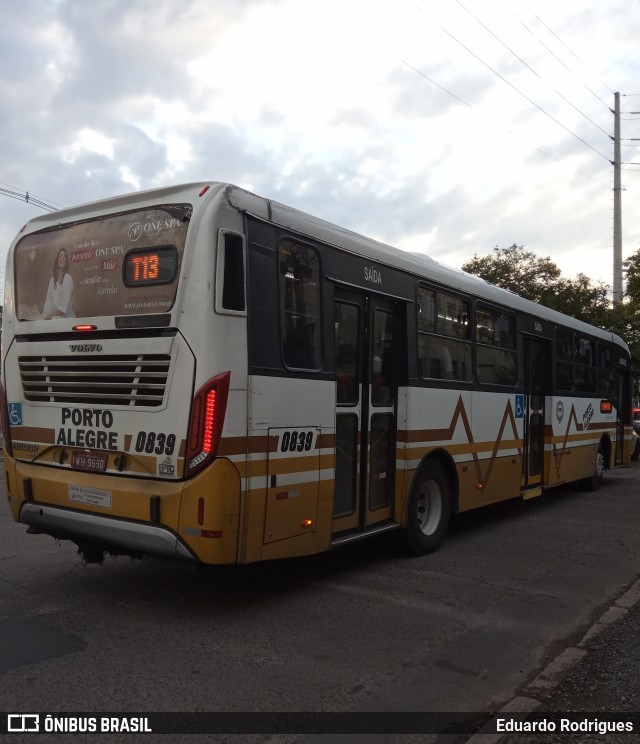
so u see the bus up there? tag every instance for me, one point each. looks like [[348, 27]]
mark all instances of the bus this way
[[203, 373]]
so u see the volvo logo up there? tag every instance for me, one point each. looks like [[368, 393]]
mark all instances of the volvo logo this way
[[85, 348]]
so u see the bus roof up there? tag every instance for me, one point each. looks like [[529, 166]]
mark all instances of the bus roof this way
[[418, 264], [415, 263]]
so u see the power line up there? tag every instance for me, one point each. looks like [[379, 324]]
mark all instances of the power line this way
[[546, 154], [574, 54], [526, 64], [453, 95], [532, 102], [431, 80], [555, 56], [446, 90], [37, 196], [28, 199]]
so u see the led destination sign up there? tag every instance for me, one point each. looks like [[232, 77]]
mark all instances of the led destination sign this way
[[156, 266]]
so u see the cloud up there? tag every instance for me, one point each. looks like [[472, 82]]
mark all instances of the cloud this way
[[317, 105]]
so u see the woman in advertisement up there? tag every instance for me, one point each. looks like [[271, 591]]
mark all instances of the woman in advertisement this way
[[59, 300]]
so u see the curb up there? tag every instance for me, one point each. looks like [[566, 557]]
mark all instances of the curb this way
[[551, 676]]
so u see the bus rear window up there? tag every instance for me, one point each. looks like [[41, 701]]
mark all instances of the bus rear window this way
[[122, 264]]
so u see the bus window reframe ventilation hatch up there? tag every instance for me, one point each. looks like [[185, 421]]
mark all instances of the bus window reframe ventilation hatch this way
[[230, 281]]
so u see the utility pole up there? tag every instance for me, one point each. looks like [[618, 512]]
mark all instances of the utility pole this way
[[617, 206]]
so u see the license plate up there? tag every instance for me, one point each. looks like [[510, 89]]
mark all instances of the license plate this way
[[95, 462]]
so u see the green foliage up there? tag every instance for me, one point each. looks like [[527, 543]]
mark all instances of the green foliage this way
[[626, 318], [632, 272], [540, 280], [517, 270]]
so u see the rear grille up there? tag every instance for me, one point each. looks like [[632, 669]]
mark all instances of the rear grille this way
[[118, 380]]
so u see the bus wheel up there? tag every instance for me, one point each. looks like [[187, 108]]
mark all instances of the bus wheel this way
[[429, 510], [593, 482]]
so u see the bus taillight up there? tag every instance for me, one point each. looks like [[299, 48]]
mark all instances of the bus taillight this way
[[4, 416], [205, 424]]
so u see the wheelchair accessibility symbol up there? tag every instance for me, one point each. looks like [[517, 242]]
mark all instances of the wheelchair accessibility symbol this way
[[15, 414], [519, 406]]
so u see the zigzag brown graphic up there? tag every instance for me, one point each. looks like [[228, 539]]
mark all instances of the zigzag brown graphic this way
[[559, 452], [447, 434], [508, 413]]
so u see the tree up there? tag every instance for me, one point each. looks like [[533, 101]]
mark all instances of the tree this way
[[626, 317], [582, 299], [517, 270], [632, 273], [540, 280]]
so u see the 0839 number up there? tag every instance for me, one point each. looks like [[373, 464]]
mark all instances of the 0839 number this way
[[296, 441], [160, 444]]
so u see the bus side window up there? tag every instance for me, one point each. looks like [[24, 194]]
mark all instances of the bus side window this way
[[606, 386], [496, 356], [230, 274], [300, 327], [584, 369], [564, 361], [444, 340]]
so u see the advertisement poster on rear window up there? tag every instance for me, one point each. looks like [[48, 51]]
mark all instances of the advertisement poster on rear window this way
[[124, 264]]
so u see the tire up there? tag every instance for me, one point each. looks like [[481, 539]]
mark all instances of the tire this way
[[636, 449], [593, 482], [429, 510]]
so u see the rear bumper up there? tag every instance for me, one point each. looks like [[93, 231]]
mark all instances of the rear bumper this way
[[110, 531], [196, 520]]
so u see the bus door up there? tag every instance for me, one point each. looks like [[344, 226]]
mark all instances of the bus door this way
[[534, 413], [366, 353]]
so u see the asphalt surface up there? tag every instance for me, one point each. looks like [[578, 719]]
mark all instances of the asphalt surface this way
[[545, 618], [598, 676]]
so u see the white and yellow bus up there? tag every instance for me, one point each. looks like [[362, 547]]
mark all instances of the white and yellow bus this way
[[203, 373]]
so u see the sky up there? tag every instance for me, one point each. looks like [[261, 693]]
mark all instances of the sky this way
[[447, 127]]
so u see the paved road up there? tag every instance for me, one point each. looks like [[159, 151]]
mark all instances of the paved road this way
[[360, 629], [595, 680]]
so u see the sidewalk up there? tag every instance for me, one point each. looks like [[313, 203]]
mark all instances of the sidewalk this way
[[600, 673]]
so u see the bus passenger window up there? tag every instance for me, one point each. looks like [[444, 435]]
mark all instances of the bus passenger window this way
[[444, 344], [585, 357], [606, 386], [564, 357], [496, 344], [300, 306]]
